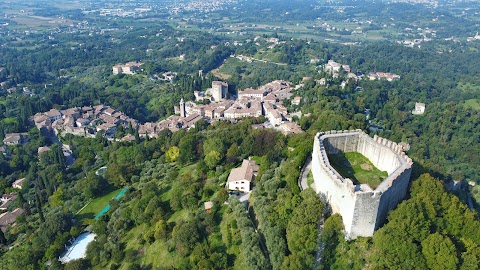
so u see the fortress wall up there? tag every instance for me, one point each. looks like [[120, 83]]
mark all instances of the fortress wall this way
[[379, 152], [393, 195], [336, 190], [338, 143], [362, 209], [365, 214]]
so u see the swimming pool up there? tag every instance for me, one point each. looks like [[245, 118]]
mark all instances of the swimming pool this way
[[78, 250]]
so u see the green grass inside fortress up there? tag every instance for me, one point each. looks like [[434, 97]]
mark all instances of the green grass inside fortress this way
[[357, 167]]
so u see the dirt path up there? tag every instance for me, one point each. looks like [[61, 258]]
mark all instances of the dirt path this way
[[303, 184], [302, 180]]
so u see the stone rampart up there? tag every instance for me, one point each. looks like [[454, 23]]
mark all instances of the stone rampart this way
[[363, 209]]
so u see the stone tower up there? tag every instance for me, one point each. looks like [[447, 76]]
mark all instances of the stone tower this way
[[183, 112], [219, 90]]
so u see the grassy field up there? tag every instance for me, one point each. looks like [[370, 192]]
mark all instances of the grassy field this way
[[97, 204], [39, 21], [179, 216], [220, 75], [157, 254], [355, 166], [468, 87], [230, 234]]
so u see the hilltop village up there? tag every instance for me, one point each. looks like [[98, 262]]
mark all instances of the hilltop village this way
[[213, 104], [264, 101]]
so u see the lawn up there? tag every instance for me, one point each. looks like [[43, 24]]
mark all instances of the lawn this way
[[9, 120], [181, 215], [355, 166], [97, 204], [187, 169]]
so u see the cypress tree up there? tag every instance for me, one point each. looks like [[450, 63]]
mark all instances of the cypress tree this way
[[39, 206], [137, 136], [130, 128], [3, 240]]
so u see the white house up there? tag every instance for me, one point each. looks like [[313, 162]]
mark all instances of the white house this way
[[82, 122], [53, 115], [240, 178], [18, 183], [296, 100], [15, 138], [419, 108]]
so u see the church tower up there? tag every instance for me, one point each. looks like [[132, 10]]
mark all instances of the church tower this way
[[183, 113]]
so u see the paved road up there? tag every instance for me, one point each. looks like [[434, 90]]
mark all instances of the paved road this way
[[65, 149], [244, 197], [68, 154], [302, 180]]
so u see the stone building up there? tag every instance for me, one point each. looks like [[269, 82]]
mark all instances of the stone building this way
[[9, 218], [219, 90], [129, 68], [15, 138], [251, 93]]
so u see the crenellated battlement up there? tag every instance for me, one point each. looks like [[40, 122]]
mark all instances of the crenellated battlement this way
[[362, 208]]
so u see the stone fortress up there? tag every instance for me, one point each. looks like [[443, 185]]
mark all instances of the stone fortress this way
[[363, 209]]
